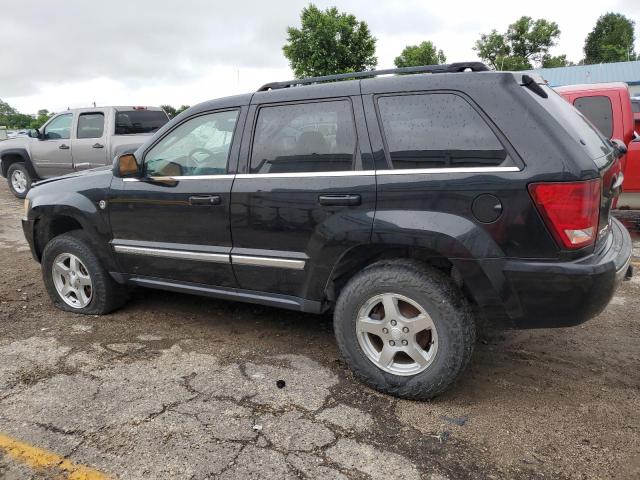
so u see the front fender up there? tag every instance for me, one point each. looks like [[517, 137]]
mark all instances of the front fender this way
[[47, 208]]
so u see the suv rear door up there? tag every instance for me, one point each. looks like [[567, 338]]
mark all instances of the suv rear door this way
[[305, 192], [90, 139]]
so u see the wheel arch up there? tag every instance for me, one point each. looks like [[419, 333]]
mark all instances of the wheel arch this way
[[54, 220], [450, 243], [16, 155]]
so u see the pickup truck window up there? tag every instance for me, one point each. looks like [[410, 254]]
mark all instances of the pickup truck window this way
[[439, 130], [310, 137], [199, 146], [90, 125], [139, 121], [59, 127], [599, 111]]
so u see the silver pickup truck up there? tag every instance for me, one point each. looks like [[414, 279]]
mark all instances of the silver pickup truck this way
[[76, 140]]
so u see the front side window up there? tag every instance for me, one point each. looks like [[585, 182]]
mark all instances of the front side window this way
[[310, 137], [200, 146], [90, 125], [59, 128], [437, 131], [599, 111]]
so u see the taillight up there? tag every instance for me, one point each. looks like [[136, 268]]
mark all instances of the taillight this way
[[570, 210]]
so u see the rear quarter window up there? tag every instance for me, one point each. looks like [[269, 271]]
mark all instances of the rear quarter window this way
[[578, 128], [599, 111], [437, 130]]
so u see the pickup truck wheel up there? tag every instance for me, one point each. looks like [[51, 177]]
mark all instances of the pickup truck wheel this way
[[404, 328], [75, 279], [19, 179]]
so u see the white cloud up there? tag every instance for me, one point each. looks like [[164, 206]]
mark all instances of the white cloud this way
[[152, 52]]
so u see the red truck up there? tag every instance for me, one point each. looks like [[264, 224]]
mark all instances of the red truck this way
[[610, 109]]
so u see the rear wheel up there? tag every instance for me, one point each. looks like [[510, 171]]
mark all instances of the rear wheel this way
[[75, 279], [19, 179], [404, 329]]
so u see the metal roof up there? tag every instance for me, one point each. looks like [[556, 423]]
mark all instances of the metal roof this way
[[628, 72]]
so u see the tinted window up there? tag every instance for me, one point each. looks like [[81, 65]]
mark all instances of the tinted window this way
[[577, 127], [599, 111], [437, 131], [311, 137], [200, 146], [59, 127], [91, 125], [139, 121], [635, 105]]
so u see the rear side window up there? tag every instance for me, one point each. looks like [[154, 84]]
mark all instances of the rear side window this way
[[90, 125], [599, 111], [310, 137], [439, 130], [139, 121]]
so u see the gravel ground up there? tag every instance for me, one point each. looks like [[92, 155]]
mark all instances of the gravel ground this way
[[175, 386]]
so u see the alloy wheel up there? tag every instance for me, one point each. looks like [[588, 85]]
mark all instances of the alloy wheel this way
[[397, 334]]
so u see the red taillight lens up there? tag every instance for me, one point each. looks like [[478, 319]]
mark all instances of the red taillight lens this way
[[570, 210]]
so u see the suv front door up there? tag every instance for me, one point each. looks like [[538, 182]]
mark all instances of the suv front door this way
[[303, 198], [51, 153], [173, 224], [90, 142]]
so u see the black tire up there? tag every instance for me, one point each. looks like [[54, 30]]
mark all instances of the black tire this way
[[21, 168], [107, 295], [438, 296]]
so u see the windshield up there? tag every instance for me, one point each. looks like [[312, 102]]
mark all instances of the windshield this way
[[139, 121]]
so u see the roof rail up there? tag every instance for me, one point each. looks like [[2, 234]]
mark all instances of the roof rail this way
[[445, 68]]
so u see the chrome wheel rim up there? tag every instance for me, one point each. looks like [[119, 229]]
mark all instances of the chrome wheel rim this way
[[72, 280], [19, 181], [397, 334]]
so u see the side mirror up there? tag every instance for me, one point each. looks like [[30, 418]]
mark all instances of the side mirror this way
[[126, 165], [33, 133], [619, 146]]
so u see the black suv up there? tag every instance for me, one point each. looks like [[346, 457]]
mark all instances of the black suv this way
[[403, 203]]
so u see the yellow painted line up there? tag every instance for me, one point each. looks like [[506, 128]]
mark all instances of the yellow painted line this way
[[40, 459]]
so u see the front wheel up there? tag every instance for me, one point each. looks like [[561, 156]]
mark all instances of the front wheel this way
[[75, 279], [19, 179], [404, 328]]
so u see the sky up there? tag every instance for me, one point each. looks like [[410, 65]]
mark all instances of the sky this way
[[72, 53]]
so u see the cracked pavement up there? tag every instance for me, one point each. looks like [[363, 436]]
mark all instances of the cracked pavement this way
[[175, 386]]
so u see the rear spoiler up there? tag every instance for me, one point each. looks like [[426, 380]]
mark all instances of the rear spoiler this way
[[532, 82]]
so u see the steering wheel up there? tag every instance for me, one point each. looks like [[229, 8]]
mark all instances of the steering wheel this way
[[193, 161]]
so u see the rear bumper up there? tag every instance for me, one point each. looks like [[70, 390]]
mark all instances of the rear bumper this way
[[564, 294]]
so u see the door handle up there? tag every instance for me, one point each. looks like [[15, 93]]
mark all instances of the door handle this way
[[97, 145], [340, 200], [64, 147], [205, 200]]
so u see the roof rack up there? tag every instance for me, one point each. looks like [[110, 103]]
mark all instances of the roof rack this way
[[445, 68]]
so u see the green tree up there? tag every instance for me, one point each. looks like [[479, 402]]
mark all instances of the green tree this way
[[329, 42], [416, 55], [11, 118], [172, 111], [524, 45], [611, 40], [549, 61], [42, 118]]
